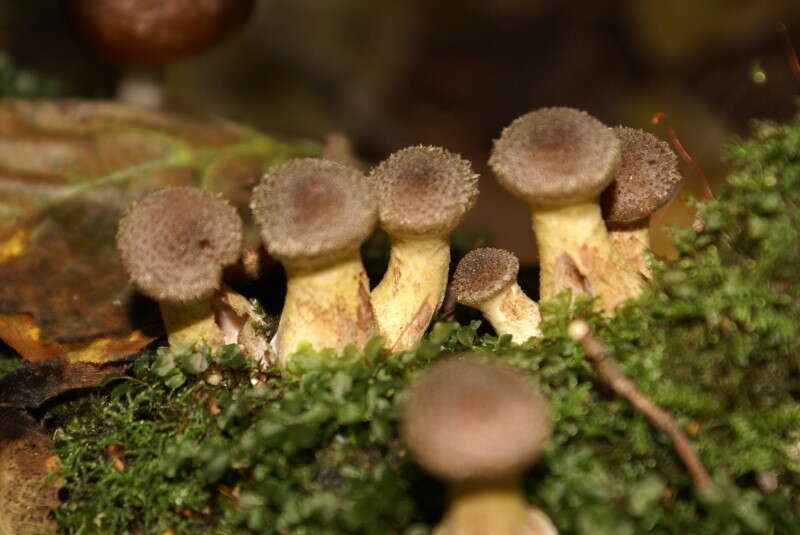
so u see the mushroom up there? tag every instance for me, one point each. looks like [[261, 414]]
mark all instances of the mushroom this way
[[314, 215], [174, 243], [646, 179], [145, 35], [478, 426], [423, 192], [486, 279], [559, 160]]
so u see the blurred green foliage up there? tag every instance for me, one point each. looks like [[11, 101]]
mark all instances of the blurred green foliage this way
[[15, 82], [314, 449]]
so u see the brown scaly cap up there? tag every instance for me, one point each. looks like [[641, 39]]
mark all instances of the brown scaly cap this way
[[310, 209], [468, 420], [482, 274], [646, 179], [555, 157], [156, 32], [424, 191], [176, 241]]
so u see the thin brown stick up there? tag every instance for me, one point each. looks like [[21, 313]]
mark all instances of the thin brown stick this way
[[675, 141], [580, 331], [791, 53]]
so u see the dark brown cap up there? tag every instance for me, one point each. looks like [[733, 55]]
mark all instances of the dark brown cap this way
[[555, 157], [176, 241], [156, 32], [482, 274], [646, 179], [310, 209], [424, 190], [468, 420]]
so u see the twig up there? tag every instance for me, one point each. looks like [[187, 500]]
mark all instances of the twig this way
[[791, 53], [580, 331], [675, 141]]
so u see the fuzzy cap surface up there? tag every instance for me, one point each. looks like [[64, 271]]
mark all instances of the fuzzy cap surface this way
[[647, 177], [314, 210], [555, 157], [424, 191], [482, 274], [175, 243], [468, 420]]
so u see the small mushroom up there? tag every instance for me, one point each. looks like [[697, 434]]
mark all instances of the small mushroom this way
[[175, 243], [559, 160], [423, 192], [314, 214], [647, 178], [486, 279], [145, 35], [479, 426]]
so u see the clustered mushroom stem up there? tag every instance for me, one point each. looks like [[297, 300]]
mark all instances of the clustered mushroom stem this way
[[326, 307], [580, 331], [632, 240], [483, 507], [512, 312], [142, 86], [412, 290], [606, 272], [187, 323]]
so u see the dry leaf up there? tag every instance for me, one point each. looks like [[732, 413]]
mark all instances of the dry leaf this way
[[26, 458], [68, 169], [34, 383]]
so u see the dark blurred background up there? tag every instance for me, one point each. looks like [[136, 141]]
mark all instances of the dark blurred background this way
[[391, 73]]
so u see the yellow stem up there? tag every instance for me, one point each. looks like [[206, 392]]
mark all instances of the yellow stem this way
[[328, 307], [632, 240], [190, 323], [579, 232], [512, 312], [412, 289]]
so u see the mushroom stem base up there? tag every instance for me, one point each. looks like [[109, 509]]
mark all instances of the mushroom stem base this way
[[190, 323], [142, 87], [412, 290], [576, 234], [327, 307], [512, 312], [632, 240], [496, 507]]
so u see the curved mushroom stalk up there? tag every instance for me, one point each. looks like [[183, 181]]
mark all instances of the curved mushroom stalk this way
[[512, 312], [412, 290], [328, 308], [632, 240], [423, 192], [486, 279], [587, 245]]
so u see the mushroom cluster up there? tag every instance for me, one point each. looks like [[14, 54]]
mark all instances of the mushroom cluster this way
[[314, 214], [475, 425]]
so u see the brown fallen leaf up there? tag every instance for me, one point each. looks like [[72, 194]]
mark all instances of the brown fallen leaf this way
[[26, 457], [34, 383], [68, 169]]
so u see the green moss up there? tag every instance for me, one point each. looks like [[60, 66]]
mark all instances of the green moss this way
[[315, 450]]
